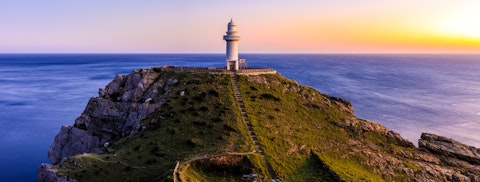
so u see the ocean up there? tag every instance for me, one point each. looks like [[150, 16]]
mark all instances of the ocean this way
[[409, 94]]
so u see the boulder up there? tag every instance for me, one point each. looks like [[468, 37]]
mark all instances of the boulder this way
[[444, 146]]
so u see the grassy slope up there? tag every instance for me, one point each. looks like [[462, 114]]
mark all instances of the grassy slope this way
[[203, 121], [296, 123], [299, 128]]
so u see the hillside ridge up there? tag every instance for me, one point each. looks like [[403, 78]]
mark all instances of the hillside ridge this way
[[144, 125]]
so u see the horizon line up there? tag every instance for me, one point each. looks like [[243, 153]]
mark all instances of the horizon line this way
[[312, 53]]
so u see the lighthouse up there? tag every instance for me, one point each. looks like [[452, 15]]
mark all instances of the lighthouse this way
[[232, 39]]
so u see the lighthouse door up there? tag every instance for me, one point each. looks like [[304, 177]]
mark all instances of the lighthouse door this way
[[231, 65]]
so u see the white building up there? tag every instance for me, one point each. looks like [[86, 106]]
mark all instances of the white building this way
[[232, 39]]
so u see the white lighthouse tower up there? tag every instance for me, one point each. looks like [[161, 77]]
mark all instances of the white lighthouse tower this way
[[232, 39]]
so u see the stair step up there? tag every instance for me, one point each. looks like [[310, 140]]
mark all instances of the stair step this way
[[253, 136]]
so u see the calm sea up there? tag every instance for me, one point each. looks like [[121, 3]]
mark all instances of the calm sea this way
[[407, 93]]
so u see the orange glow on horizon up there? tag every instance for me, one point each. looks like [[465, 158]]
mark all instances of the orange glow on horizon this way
[[346, 26], [359, 32]]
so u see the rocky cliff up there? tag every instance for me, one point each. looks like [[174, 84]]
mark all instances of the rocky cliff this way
[[115, 113], [166, 125]]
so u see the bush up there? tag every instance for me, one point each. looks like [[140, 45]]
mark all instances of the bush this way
[[195, 142], [203, 108], [270, 97], [213, 93], [137, 148]]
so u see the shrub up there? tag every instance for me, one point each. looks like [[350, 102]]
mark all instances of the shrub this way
[[269, 97], [195, 142], [137, 148], [213, 93], [203, 108]]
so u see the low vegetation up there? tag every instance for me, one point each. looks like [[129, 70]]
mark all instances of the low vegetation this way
[[303, 132], [200, 133], [204, 121]]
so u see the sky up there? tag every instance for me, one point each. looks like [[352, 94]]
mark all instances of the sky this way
[[266, 26]]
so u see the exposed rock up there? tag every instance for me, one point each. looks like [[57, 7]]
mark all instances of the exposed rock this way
[[115, 113], [69, 141], [47, 174], [448, 147], [457, 177], [344, 104], [115, 85], [369, 126], [172, 82]]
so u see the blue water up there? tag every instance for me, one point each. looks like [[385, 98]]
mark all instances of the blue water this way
[[407, 93]]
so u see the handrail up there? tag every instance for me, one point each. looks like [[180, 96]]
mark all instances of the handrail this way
[[214, 70]]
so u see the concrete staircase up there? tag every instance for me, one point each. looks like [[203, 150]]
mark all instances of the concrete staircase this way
[[253, 136]]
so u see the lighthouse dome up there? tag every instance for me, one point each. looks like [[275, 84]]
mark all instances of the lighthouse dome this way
[[231, 22], [232, 27]]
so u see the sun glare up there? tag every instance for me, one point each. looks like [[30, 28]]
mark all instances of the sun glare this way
[[463, 24]]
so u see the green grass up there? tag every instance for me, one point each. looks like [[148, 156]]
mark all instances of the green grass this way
[[349, 169], [203, 121], [300, 126], [291, 120], [412, 166], [229, 168], [303, 133]]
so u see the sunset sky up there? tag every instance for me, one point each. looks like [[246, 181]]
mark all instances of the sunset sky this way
[[266, 26]]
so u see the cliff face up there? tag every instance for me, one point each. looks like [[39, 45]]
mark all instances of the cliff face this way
[[141, 124], [114, 114]]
